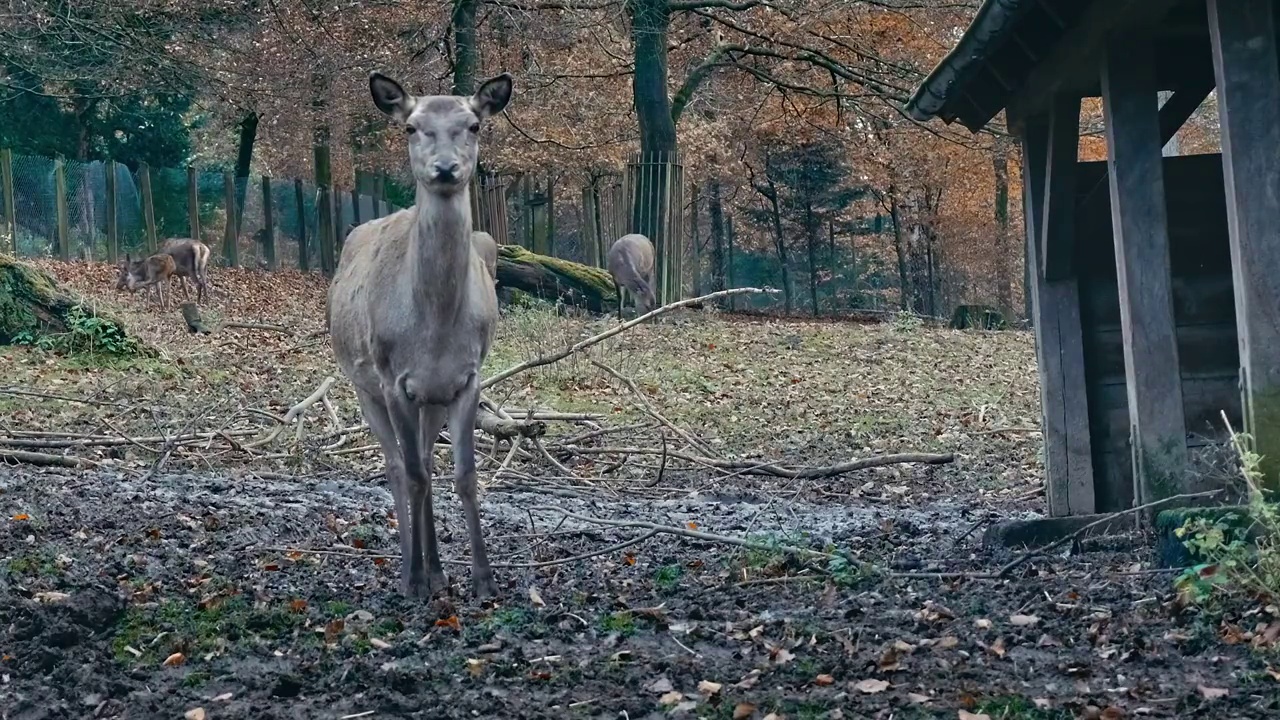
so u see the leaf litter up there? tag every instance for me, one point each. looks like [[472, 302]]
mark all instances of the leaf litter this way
[[272, 572]]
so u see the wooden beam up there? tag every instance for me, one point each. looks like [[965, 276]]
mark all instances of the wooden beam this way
[[1173, 115], [1059, 230], [1246, 62], [1075, 57], [1140, 230], [1055, 311]]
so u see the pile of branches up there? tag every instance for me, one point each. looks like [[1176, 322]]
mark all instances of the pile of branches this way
[[509, 437]]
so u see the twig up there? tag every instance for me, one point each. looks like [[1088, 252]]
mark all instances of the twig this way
[[684, 532], [645, 405], [756, 468], [594, 339], [70, 441], [662, 465], [258, 326], [1001, 431], [35, 458], [64, 398], [169, 446], [295, 411], [551, 458]]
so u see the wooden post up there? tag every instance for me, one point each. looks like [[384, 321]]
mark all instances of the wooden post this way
[[696, 259], [1245, 55], [1140, 229], [551, 214], [268, 225], [1058, 231], [230, 240], [590, 231], [339, 227], [10, 207], [60, 202], [148, 207], [113, 230], [1068, 459], [193, 202], [728, 226], [304, 261], [324, 209], [355, 206]]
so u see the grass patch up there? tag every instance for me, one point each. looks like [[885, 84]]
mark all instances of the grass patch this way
[[1017, 707], [157, 631], [667, 578], [621, 622]]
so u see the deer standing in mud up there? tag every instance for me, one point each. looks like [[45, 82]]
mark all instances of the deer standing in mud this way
[[191, 260], [411, 312], [151, 272], [630, 262]]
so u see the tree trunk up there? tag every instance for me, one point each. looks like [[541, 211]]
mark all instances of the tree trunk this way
[[649, 22], [831, 261], [555, 279], [33, 305], [697, 250], [716, 211], [1004, 271], [780, 245], [466, 49], [904, 287], [811, 239], [244, 159]]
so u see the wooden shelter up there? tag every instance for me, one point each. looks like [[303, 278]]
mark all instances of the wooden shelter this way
[[1155, 279]]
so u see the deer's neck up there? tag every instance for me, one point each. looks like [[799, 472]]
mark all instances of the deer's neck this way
[[439, 256]]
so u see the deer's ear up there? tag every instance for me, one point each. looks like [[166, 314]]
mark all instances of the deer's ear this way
[[390, 97], [492, 97]]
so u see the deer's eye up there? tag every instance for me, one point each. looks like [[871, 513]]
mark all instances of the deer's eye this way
[[475, 128], [409, 129]]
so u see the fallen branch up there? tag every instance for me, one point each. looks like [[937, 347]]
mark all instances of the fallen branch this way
[[295, 412], [594, 339], [507, 428], [64, 398], [754, 467], [108, 441], [35, 458], [647, 407], [258, 326]]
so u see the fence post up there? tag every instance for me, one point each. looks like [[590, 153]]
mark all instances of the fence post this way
[[113, 230], [230, 242], [193, 202], [696, 254], [728, 223], [355, 206], [148, 209], [304, 262], [10, 212], [324, 210], [60, 202], [339, 229], [268, 225], [590, 232]]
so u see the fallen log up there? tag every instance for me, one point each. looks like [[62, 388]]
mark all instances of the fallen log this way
[[554, 279]]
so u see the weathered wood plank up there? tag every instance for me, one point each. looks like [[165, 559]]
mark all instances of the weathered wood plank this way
[[1247, 67], [1140, 230], [1203, 351], [1060, 192], [1056, 318]]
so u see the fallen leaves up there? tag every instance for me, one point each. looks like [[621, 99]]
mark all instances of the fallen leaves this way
[[823, 680], [871, 686], [1024, 620], [536, 598], [450, 622], [1212, 693], [708, 688], [966, 715], [174, 660], [196, 713], [743, 710]]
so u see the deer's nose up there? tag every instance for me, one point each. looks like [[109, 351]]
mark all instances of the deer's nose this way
[[446, 171]]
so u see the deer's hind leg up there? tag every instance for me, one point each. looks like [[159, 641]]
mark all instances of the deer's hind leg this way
[[462, 422], [375, 414]]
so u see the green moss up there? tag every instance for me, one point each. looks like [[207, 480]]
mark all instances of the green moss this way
[[196, 631], [1264, 432]]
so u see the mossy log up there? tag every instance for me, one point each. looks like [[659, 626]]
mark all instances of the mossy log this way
[[554, 279], [32, 302]]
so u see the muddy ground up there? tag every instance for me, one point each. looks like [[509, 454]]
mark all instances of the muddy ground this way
[[107, 577]]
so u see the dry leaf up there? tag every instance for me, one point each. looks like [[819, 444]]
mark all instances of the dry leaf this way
[[536, 598], [782, 656], [1274, 673], [691, 525], [743, 710], [174, 660], [22, 517], [297, 606], [475, 666], [772, 716], [1042, 703], [661, 685], [1112, 713], [1212, 693], [751, 678], [917, 698], [997, 648], [870, 686], [450, 622], [982, 624], [948, 642], [671, 698], [333, 629], [708, 688], [380, 643], [684, 707], [196, 713], [966, 715], [823, 680], [1024, 620], [51, 596]]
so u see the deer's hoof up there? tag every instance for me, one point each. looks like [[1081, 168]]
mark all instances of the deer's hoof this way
[[485, 587]]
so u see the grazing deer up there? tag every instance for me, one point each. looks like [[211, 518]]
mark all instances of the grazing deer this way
[[191, 258], [411, 313], [154, 271], [487, 248], [630, 262]]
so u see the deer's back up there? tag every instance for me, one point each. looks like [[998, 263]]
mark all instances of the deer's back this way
[[189, 255], [630, 254], [487, 248]]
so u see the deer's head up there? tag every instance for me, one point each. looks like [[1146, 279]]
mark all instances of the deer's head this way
[[122, 277], [443, 130]]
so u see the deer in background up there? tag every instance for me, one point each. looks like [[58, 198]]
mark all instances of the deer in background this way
[[154, 271], [487, 248], [630, 262], [411, 313], [191, 260]]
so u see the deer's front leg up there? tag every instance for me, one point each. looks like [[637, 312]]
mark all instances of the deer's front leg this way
[[462, 423]]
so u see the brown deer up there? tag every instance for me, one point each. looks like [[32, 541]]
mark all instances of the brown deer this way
[[487, 248], [154, 271], [191, 258], [411, 313], [630, 262]]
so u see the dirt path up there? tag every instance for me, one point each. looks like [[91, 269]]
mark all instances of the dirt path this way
[[178, 564]]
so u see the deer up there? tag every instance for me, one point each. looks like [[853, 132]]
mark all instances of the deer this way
[[487, 248], [191, 258], [153, 271], [411, 313], [630, 262]]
